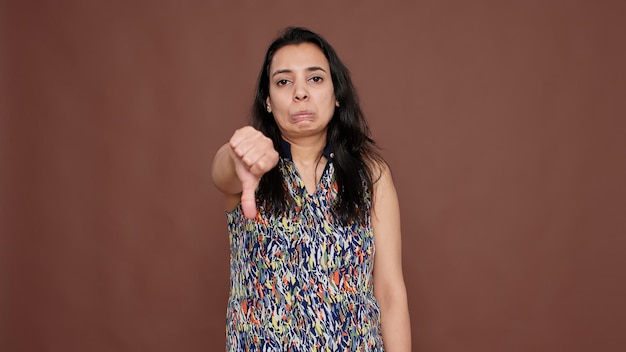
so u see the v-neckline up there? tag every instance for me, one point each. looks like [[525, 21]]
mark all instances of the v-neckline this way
[[300, 182], [327, 152]]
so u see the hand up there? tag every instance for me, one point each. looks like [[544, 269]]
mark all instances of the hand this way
[[254, 155]]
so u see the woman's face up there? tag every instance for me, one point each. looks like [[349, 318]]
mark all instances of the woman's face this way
[[301, 94]]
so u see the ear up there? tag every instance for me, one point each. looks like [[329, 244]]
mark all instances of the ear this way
[[268, 106], [337, 103]]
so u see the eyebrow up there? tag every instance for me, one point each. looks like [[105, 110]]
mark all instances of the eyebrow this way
[[310, 69]]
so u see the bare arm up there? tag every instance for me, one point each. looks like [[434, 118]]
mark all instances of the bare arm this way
[[223, 172], [239, 164], [389, 287]]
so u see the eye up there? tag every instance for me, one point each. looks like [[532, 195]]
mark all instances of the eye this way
[[317, 79], [282, 82]]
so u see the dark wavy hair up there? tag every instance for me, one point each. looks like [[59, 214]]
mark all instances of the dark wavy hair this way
[[354, 150]]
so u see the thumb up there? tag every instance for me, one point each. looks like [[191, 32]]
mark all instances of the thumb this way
[[248, 197], [249, 183]]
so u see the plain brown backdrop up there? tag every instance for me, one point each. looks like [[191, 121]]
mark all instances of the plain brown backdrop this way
[[503, 123]]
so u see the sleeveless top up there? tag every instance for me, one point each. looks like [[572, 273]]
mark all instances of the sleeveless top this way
[[302, 282]]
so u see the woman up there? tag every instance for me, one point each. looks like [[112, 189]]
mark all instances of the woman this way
[[307, 198]]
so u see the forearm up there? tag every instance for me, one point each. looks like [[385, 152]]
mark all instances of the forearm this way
[[395, 322], [223, 172]]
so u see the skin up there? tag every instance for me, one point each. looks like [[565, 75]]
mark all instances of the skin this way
[[302, 100]]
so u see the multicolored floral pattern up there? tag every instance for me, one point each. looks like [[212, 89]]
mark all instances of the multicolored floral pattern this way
[[301, 282]]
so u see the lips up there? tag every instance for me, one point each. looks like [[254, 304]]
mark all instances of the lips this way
[[302, 115]]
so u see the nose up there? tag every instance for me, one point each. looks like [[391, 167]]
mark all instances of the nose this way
[[299, 97], [300, 93]]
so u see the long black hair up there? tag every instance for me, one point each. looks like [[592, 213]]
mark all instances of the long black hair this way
[[355, 153]]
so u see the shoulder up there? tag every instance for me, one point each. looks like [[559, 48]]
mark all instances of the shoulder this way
[[383, 187], [380, 171]]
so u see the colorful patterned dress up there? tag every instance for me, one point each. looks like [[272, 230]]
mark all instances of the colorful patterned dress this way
[[301, 282]]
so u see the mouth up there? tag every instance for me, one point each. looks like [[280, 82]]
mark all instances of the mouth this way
[[302, 115]]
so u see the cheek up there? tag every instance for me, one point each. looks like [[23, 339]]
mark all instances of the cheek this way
[[330, 101], [280, 99]]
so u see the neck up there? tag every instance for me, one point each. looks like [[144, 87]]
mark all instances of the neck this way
[[307, 150]]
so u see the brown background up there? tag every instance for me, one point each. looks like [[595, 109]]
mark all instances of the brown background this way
[[503, 123]]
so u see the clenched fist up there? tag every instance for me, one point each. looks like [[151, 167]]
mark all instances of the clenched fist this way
[[253, 155]]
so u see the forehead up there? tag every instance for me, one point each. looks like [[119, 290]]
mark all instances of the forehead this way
[[299, 56]]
